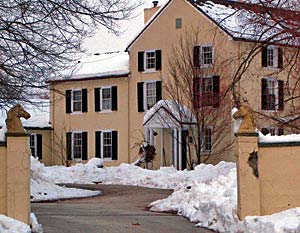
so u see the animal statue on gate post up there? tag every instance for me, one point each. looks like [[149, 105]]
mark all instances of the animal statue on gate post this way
[[247, 114], [13, 122]]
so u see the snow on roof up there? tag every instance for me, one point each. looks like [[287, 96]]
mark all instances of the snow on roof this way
[[39, 111], [101, 65], [236, 18], [168, 114]]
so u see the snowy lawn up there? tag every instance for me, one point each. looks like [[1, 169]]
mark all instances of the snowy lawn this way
[[44, 188], [207, 195]]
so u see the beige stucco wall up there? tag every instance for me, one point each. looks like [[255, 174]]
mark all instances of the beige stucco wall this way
[[47, 144], [3, 180], [277, 186], [15, 178], [279, 178], [91, 121]]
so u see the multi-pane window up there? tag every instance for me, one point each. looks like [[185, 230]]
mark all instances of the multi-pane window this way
[[272, 93], [107, 144], [77, 146], [77, 100], [271, 56], [207, 142], [33, 145], [150, 60], [207, 91], [150, 95], [106, 98], [274, 131], [206, 55]]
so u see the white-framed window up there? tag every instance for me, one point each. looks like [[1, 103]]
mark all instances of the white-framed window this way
[[77, 145], [149, 94], [272, 56], [76, 100], [150, 60], [206, 55], [272, 94], [106, 98], [33, 144], [106, 139], [207, 139]]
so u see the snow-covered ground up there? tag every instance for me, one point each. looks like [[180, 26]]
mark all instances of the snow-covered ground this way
[[207, 195], [10, 225], [44, 188]]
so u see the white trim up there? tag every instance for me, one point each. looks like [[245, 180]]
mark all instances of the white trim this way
[[180, 149], [276, 90], [275, 57], [101, 146], [35, 143], [200, 55], [101, 99], [150, 70], [145, 93], [72, 101], [72, 146]]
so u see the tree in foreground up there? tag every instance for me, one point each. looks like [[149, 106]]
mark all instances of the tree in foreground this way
[[40, 39]]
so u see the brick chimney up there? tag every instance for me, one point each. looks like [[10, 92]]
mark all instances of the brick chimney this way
[[149, 12]]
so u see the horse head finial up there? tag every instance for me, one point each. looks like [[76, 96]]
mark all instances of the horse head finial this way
[[13, 122]]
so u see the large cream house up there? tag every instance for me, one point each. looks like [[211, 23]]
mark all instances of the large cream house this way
[[100, 110]]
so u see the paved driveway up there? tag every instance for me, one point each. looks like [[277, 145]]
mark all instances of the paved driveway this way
[[120, 209]]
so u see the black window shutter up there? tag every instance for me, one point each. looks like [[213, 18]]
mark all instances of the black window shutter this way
[[98, 144], [280, 131], [97, 99], [280, 58], [264, 56], [114, 145], [69, 145], [196, 92], [84, 137], [264, 94], [158, 64], [280, 95], [140, 96], [114, 98], [68, 101], [39, 142], [84, 100], [264, 131], [196, 56], [158, 91], [141, 61], [216, 91]]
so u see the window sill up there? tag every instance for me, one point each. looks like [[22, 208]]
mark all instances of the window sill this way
[[272, 68], [76, 113], [107, 160], [206, 66], [105, 111], [149, 71]]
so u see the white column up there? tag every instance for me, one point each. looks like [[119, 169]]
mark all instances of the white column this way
[[175, 141], [162, 145], [180, 149]]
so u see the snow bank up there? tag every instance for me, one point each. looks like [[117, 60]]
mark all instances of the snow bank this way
[[35, 226], [236, 122], [213, 205], [10, 225], [128, 174], [44, 188]]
